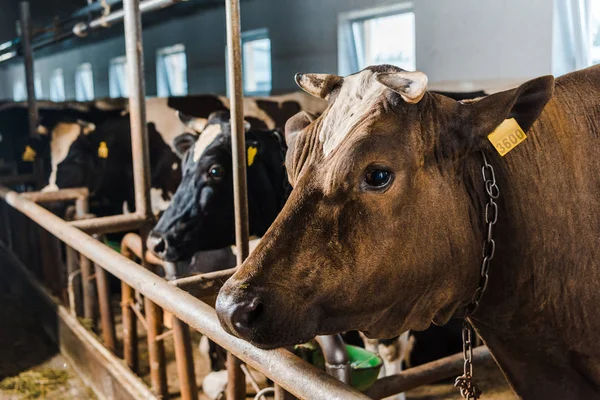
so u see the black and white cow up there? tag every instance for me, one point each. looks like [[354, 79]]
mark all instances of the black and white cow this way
[[101, 160], [60, 123], [201, 214]]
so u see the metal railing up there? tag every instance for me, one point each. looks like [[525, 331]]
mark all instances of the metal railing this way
[[293, 374], [285, 369]]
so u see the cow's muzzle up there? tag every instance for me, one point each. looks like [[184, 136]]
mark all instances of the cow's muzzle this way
[[239, 317], [157, 244]]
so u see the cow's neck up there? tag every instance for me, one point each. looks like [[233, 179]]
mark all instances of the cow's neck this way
[[539, 316]]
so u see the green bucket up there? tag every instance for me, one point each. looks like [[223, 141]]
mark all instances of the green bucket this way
[[116, 246], [365, 366]]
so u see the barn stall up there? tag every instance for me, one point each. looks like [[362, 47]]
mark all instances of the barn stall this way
[[138, 338]]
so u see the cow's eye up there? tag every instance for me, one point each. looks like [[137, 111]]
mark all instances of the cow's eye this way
[[377, 178], [216, 172]]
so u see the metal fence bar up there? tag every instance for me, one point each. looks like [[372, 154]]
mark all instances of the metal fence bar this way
[[141, 177], [82, 28], [137, 109], [32, 110], [26, 31], [236, 388], [111, 224], [425, 374], [300, 378]]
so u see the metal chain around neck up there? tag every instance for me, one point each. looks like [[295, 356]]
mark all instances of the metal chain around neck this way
[[468, 389]]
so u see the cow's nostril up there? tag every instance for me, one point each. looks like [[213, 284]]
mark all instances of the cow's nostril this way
[[156, 243], [245, 315]]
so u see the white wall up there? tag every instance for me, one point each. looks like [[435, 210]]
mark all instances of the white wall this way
[[476, 40]]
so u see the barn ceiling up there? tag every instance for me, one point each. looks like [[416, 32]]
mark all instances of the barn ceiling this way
[[43, 12]]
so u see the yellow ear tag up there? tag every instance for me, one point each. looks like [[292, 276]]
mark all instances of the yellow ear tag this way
[[251, 155], [507, 136], [102, 150], [29, 154]]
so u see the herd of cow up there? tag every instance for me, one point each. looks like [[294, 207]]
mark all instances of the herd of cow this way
[[89, 145], [322, 246]]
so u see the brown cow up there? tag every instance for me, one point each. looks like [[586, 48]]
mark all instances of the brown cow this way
[[384, 228]]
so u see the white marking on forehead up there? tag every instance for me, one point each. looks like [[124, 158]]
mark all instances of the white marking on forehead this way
[[357, 96], [206, 138], [63, 136], [174, 166]]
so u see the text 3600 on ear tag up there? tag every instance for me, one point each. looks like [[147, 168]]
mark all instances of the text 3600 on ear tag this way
[[507, 136]]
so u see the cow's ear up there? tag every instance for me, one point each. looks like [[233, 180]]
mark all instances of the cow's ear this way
[[410, 85], [318, 85], [524, 103], [295, 125], [182, 143], [195, 124], [86, 127]]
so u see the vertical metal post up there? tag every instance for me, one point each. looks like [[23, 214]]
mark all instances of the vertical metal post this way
[[130, 340], [156, 349], [26, 30], [33, 117], [237, 386], [185, 360], [137, 106], [141, 177], [85, 265], [107, 318]]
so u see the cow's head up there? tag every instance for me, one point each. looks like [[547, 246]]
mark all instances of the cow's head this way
[[382, 231], [201, 214]]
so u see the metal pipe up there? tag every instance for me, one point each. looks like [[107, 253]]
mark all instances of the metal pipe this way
[[238, 140], [137, 107], [300, 378], [85, 265], [156, 349], [425, 374], [130, 339], [71, 291], [58, 195], [133, 244], [336, 357], [32, 110], [236, 389], [111, 224], [204, 286], [184, 360], [107, 318], [28, 60], [81, 29]]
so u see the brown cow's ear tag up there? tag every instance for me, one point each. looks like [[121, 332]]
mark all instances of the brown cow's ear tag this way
[[29, 154], [251, 155], [103, 150], [507, 136]]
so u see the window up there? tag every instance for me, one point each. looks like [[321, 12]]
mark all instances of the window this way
[[19, 91], [84, 82], [171, 71], [384, 35], [256, 62], [57, 85], [39, 93], [117, 77]]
